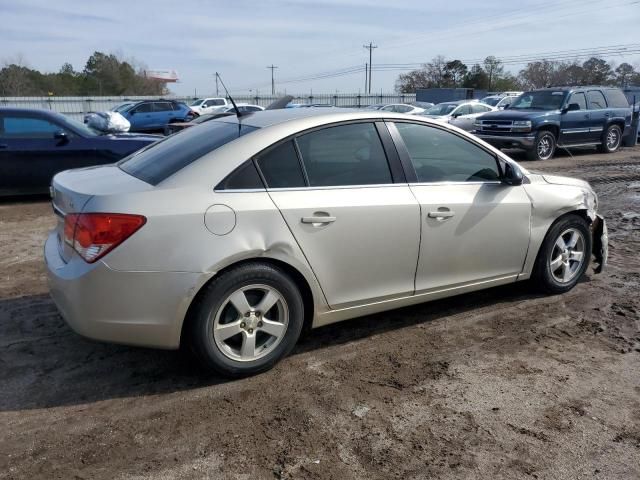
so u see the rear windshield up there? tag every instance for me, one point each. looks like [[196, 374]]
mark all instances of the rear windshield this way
[[160, 160]]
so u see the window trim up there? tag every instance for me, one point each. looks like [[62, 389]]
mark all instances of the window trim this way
[[384, 141], [405, 158]]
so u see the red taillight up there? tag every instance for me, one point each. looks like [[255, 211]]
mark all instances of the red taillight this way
[[93, 235]]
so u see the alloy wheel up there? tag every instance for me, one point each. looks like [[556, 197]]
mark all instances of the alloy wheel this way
[[251, 322], [567, 256], [613, 139], [545, 147]]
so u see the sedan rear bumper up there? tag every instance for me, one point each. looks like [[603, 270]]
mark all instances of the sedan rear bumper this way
[[508, 141], [134, 308]]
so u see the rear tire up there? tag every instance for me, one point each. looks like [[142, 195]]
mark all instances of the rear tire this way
[[246, 320], [544, 146], [564, 255], [611, 139]]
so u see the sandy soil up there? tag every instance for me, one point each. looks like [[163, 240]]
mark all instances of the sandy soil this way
[[498, 384]]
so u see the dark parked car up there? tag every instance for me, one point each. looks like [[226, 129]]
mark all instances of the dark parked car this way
[[541, 120], [37, 144], [154, 115]]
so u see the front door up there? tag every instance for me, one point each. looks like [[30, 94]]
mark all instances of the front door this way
[[358, 229], [474, 228]]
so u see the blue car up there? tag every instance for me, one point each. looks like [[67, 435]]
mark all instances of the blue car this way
[[154, 115], [37, 144]]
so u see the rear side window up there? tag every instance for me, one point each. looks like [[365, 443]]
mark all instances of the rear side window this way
[[441, 156], [245, 177], [616, 99], [162, 159], [578, 99], [162, 107], [596, 100], [280, 167], [344, 155]]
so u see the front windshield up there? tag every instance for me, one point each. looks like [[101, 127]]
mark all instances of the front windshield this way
[[441, 109], [197, 102], [493, 101], [123, 108], [540, 100]]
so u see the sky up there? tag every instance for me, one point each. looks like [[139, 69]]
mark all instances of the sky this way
[[308, 39]]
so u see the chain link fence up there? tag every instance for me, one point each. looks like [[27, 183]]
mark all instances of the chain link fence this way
[[77, 107]]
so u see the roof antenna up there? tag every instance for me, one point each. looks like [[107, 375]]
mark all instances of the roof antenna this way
[[235, 107]]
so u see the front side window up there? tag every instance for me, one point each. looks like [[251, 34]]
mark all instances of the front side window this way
[[162, 159], [280, 166], [462, 110], [27, 127], [143, 108], [579, 99], [344, 155], [596, 100], [441, 156]]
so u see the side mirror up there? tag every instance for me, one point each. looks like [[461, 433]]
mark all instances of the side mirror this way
[[572, 107], [61, 136], [455, 115], [504, 107], [512, 175]]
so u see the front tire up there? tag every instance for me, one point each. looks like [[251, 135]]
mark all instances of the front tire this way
[[246, 320], [544, 146], [611, 139], [564, 255]]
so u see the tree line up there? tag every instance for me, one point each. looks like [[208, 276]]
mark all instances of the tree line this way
[[491, 75], [103, 74]]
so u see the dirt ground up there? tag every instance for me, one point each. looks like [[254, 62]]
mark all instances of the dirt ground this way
[[503, 383]]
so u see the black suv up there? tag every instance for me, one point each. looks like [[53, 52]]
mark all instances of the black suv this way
[[541, 120]]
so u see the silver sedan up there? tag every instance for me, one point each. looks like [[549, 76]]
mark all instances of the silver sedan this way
[[235, 235]]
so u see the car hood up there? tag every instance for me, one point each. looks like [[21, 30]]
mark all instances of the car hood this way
[[518, 115], [559, 180]]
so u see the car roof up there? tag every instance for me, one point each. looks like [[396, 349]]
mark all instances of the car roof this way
[[34, 111]]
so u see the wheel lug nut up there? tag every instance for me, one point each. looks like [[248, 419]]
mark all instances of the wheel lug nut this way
[[259, 324], [242, 325], [251, 330]]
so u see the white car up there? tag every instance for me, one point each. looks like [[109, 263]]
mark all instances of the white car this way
[[208, 105], [243, 107], [402, 108], [462, 113]]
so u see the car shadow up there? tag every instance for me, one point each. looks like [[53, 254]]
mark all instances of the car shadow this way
[[45, 364]]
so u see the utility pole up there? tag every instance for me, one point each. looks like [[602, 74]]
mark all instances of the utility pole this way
[[370, 47], [273, 85], [217, 75], [366, 77]]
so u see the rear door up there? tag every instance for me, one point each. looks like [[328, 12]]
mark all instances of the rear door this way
[[575, 124], [350, 210], [162, 113], [474, 228], [598, 114]]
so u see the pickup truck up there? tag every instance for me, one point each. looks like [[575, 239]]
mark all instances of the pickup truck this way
[[541, 120]]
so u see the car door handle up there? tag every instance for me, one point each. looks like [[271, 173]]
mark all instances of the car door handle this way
[[441, 215], [321, 219]]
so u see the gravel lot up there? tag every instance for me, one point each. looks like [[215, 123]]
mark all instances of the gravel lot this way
[[503, 383]]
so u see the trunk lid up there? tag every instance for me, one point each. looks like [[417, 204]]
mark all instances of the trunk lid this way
[[72, 189]]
